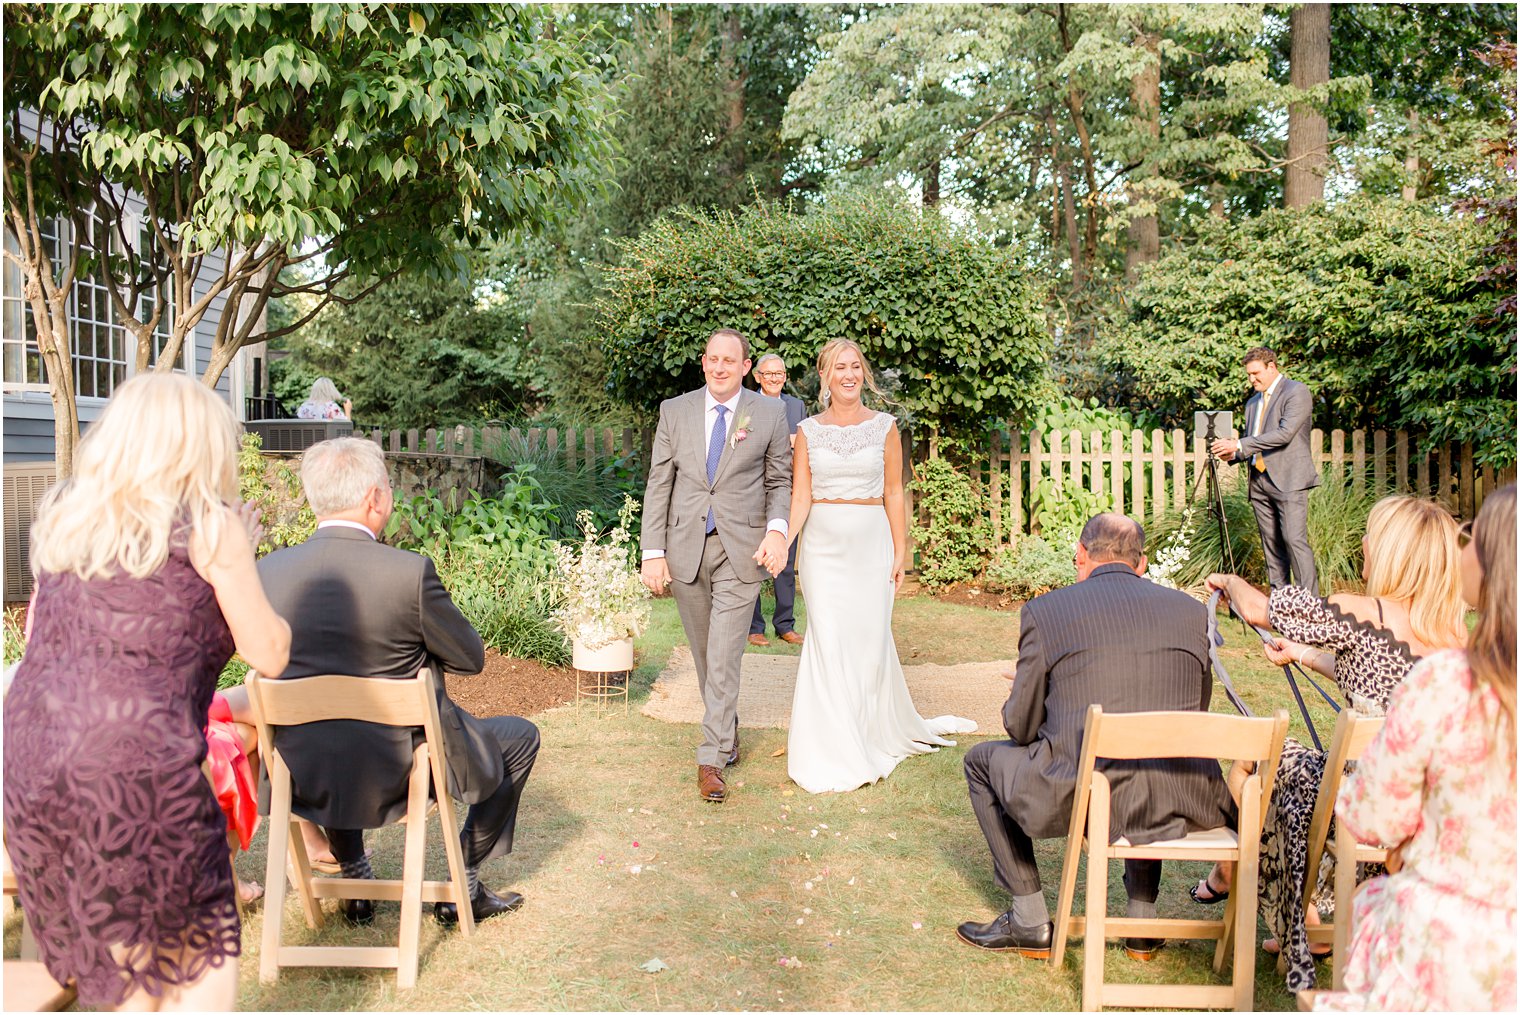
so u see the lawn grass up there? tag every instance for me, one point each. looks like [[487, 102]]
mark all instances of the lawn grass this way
[[863, 890]]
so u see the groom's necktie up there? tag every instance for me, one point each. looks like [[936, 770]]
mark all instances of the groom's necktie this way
[[1261, 424], [715, 452]]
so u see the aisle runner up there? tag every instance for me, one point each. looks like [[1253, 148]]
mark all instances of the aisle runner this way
[[973, 690]]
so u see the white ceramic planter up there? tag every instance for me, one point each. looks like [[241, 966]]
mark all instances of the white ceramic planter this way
[[614, 658]]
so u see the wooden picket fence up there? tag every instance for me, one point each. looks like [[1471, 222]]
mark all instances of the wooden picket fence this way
[[1144, 475]]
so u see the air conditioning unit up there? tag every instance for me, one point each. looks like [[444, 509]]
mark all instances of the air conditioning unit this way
[[24, 487], [297, 434]]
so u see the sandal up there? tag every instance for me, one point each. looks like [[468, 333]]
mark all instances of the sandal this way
[[1271, 947], [1198, 890]]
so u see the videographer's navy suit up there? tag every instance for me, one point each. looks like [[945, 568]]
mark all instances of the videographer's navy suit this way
[[1280, 482]]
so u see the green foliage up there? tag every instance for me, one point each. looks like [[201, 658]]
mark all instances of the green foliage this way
[[951, 547], [1031, 567], [233, 674], [14, 637], [495, 557], [415, 352], [272, 484], [945, 310], [507, 594], [1058, 515], [569, 489], [519, 517], [1066, 414], [1337, 520], [1373, 303]]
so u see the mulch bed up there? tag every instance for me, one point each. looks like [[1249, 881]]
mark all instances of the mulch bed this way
[[963, 595], [509, 686]]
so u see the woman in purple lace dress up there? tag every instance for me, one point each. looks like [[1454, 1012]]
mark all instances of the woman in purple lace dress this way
[[145, 584]]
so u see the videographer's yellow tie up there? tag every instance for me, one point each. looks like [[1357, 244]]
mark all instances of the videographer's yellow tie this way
[[1257, 461]]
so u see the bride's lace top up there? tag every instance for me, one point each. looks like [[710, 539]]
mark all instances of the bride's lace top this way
[[847, 462]]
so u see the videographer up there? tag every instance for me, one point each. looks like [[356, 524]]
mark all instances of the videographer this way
[[1282, 468]]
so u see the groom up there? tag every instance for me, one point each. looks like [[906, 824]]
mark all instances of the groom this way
[[715, 509]]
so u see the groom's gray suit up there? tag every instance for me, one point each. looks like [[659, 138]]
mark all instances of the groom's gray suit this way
[[714, 577]]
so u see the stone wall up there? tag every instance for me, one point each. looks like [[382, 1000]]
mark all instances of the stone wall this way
[[450, 476]]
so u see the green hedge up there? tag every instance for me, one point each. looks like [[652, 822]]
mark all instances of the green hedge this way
[[953, 317]]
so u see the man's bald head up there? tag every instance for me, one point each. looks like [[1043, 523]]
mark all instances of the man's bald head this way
[[1113, 538]]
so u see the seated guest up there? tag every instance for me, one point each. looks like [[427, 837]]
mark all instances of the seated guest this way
[[361, 608], [1117, 640], [324, 402], [1411, 609], [1438, 932]]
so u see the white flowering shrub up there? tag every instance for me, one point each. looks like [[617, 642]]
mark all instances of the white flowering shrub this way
[[1165, 568], [603, 598]]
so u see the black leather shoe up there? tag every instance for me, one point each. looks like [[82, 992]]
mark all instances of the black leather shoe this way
[[484, 904], [1003, 935], [1143, 949], [358, 911], [733, 755]]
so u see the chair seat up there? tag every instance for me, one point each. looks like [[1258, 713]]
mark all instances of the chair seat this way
[[1210, 840]]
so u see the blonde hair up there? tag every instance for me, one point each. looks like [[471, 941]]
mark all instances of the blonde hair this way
[[324, 390], [831, 352], [338, 474], [1491, 648], [1412, 556], [163, 452]]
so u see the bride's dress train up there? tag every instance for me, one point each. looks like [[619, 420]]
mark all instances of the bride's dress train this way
[[852, 717]]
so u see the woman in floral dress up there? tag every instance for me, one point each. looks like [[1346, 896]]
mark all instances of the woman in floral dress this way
[[1438, 933], [1411, 609]]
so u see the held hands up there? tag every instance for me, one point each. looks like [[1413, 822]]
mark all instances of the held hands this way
[[656, 574], [772, 553]]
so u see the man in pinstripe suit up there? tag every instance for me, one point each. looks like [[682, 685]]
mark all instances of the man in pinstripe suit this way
[[1113, 639]]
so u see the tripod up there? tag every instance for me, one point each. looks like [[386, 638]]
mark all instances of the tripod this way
[[1216, 497]]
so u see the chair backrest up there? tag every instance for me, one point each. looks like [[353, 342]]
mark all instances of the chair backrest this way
[[1353, 733], [388, 702], [1130, 736]]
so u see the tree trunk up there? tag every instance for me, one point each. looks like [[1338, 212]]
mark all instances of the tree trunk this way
[[1065, 203], [1308, 132], [931, 185], [733, 90], [1411, 186], [1145, 93], [1074, 102]]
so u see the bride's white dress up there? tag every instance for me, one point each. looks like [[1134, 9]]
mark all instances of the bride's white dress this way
[[852, 717]]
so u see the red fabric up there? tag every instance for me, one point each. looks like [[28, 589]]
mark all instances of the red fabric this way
[[231, 775]]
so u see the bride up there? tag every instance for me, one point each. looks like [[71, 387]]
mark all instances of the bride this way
[[852, 717]]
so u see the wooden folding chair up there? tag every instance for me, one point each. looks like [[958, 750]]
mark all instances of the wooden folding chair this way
[[1147, 735], [1352, 735], [409, 702]]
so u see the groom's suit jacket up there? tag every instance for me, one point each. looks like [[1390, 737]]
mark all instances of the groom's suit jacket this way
[[752, 485], [360, 608], [1120, 641]]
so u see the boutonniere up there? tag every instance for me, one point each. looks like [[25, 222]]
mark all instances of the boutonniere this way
[[741, 431]]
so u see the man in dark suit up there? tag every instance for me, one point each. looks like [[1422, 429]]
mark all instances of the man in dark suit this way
[[1113, 639], [1282, 468], [770, 374], [361, 608]]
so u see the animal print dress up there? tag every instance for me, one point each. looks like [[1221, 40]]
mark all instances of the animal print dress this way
[[1369, 663]]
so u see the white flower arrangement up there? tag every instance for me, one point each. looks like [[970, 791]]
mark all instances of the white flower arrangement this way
[[1170, 558], [604, 599]]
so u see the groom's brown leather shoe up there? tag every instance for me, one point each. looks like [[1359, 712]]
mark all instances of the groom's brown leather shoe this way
[[710, 785], [759, 640], [791, 637]]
